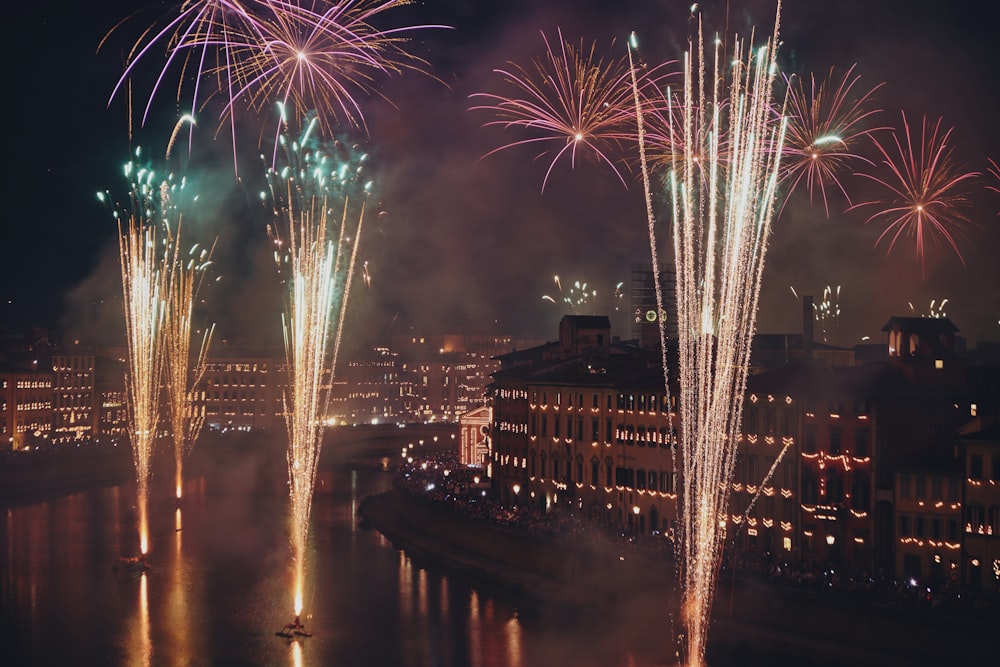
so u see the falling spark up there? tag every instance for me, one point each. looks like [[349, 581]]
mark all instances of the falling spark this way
[[925, 196], [318, 209], [183, 373], [722, 204], [936, 309]]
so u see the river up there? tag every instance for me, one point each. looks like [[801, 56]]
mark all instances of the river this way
[[219, 584]]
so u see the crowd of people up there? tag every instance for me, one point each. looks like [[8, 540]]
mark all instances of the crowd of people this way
[[441, 479]]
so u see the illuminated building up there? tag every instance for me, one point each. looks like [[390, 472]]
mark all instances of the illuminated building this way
[[241, 389], [474, 436], [371, 388], [26, 408], [980, 473], [109, 387], [583, 425], [448, 373], [74, 397], [868, 464]]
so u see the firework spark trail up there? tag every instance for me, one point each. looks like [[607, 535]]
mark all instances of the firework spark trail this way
[[317, 256], [825, 126], [994, 172], [722, 200], [183, 373], [571, 100], [141, 282], [925, 196]]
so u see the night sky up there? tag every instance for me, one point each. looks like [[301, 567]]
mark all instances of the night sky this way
[[461, 241]]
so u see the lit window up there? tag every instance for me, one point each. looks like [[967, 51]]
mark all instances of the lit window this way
[[939, 363]]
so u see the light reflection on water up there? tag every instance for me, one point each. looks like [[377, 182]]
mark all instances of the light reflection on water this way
[[219, 585]]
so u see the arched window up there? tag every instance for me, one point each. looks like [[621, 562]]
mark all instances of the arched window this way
[[595, 471], [652, 480], [609, 472], [543, 460], [531, 463]]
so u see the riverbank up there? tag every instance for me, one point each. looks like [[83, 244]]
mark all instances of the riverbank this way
[[754, 622]]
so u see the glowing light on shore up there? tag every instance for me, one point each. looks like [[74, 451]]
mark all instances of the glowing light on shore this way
[[722, 198], [318, 202]]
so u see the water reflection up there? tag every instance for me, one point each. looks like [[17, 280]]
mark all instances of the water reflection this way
[[217, 589]]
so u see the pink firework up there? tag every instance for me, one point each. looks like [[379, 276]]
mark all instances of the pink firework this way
[[994, 171], [323, 58], [825, 126], [569, 101], [316, 54], [925, 191]]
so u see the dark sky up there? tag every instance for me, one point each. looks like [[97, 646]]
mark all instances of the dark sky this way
[[465, 241]]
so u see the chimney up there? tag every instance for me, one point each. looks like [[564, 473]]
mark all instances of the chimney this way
[[808, 317]]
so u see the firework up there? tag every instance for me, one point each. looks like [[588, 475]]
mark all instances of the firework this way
[[827, 311], [925, 194], [722, 204], [994, 171], [318, 208], [936, 309], [570, 101], [318, 54], [825, 126], [141, 279], [183, 373]]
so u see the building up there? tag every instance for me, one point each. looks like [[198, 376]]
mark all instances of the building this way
[[75, 411], [583, 425], [474, 436], [980, 471], [241, 389], [25, 408]]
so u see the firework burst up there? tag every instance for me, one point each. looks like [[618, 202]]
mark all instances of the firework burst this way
[[722, 204], [320, 55], [570, 102], [825, 127], [925, 191], [317, 202]]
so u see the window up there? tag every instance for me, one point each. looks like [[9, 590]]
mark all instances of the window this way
[[835, 438], [976, 466], [640, 479], [904, 525], [607, 472], [861, 444], [921, 487], [918, 526], [595, 431], [579, 428], [595, 470], [652, 480], [809, 446]]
